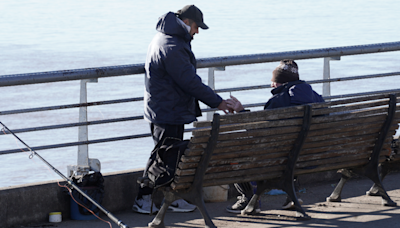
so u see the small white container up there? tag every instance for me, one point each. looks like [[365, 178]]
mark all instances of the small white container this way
[[55, 217]]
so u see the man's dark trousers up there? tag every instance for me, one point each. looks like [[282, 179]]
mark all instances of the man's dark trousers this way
[[159, 133]]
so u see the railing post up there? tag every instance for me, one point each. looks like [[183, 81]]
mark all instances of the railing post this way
[[211, 84], [84, 163], [326, 86]]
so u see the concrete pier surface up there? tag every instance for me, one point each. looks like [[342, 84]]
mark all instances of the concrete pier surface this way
[[355, 210]]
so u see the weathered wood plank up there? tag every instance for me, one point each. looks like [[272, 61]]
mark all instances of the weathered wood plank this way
[[230, 167], [273, 142], [175, 186], [199, 124], [195, 146], [364, 155], [353, 107], [238, 173], [264, 115], [342, 101], [265, 132], [338, 146], [347, 116], [261, 125], [201, 133], [345, 129], [326, 156], [200, 139], [336, 141], [227, 158], [258, 137], [185, 172], [187, 165], [323, 137], [358, 120], [190, 159], [335, 166], [248, 159], [246, 178], [234, 174], [269, 150]]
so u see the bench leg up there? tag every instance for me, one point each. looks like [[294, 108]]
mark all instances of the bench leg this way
[[337, 192], [374, 191], [158, 221], [375, 177], [199, 202], [288, 187]]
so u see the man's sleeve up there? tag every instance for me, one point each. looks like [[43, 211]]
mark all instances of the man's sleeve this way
[[179, 67]]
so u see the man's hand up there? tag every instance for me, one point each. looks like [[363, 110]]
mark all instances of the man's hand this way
[[234, 104], [224, 107]]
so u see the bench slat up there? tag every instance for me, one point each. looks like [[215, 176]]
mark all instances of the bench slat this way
[[342, 101], [335, 166], [352, 107], [247, 178]]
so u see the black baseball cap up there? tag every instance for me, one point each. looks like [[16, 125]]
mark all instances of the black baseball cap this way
[[193, 13]]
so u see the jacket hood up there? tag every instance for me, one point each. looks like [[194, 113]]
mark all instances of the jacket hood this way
[[286, 85], [299, 92], [169, 25]]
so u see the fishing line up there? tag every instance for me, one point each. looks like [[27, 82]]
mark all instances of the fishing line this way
[[58, 182], [69, 181], [30, 155]]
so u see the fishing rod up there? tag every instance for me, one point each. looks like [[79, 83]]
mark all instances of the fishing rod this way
[[69, 181]]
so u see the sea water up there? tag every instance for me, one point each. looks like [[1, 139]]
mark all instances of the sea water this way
[[48, 35]]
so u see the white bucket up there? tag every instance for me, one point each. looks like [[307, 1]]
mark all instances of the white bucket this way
[[215, 193], [55, 217]]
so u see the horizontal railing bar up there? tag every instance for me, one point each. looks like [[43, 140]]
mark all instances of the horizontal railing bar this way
[[235, 89], [52, 127], [111, 71], [70, 106], [354, 78], [301, 54], [69, 75], [54, 146]]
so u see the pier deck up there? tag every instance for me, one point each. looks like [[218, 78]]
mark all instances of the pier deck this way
[[355, 210]]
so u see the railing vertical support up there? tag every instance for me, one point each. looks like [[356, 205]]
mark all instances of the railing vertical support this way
[[84, 163], [326, 87], [211, 84]]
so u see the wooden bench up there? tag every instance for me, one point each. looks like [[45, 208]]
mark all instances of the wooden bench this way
[[273, 146]]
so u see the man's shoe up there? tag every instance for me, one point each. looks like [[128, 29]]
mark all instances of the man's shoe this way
[[181, 205], [290, 204], [143, 205], [240, 204]]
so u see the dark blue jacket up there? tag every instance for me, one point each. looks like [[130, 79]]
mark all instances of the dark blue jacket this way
[[292, 93], [172, 86]]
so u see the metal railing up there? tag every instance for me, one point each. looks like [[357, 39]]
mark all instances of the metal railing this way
[[213, 64]]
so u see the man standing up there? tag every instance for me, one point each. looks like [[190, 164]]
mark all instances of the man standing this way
[[172, 87]]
